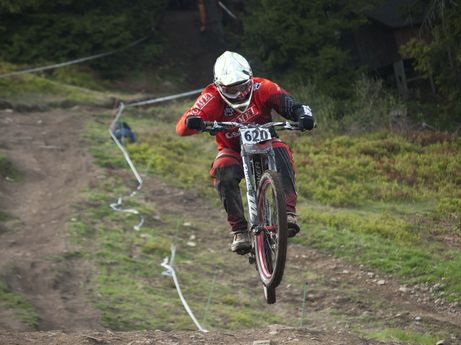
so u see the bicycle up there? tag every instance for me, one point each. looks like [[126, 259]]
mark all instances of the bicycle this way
[[266, 199]]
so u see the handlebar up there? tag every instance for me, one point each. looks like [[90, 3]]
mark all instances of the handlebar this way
[[214, 126]]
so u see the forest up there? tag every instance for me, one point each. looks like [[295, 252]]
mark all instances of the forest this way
[[318, 43]]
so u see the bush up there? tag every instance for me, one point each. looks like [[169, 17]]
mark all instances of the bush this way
[[371, 107]]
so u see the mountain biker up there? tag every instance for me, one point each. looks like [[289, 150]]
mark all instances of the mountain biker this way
[[236, 95]]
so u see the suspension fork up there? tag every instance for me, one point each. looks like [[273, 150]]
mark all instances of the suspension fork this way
[[248, 170], [271, 163]]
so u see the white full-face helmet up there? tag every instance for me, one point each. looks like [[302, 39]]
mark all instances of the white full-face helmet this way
[[234, 80]]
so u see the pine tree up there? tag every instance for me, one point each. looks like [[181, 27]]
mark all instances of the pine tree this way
[[301, 39], [38, 31], [437, 52]]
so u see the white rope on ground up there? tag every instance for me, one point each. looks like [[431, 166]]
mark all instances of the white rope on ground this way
[[166, 98], [120, 146], [168, 263], [71, 62], [227, 10], [170, 272], [117, 206]]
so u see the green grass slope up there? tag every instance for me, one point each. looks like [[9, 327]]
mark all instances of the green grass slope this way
[[64, 87], [384, 200], [387, 200]]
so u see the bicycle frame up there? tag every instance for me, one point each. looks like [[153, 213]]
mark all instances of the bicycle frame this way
[[251, 167], [253, 170], [266, 200]]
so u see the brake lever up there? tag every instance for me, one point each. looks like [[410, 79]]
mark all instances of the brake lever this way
[[289, 126], [213, 130]]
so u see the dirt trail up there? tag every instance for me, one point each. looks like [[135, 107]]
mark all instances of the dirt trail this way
[[273, 335], [48, 150]]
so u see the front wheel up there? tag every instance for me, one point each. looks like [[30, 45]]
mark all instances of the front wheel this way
[[269, 294], [271, 241]]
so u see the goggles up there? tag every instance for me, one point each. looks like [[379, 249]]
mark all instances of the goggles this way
[[237, 91]]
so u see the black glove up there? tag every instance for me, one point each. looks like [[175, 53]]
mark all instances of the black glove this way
[[306, 120], [195, 122]]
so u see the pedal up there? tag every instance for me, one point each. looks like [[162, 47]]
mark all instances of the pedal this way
[[251, 259]]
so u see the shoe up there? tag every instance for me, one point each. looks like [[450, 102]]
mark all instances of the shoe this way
[[241, 244], [293, 227]]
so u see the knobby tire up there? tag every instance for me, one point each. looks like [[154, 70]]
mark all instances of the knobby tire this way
[[273, 239], [270, 295]]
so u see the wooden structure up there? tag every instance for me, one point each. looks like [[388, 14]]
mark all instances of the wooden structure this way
[[377, 43]]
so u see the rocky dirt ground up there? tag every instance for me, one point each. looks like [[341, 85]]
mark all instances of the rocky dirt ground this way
[[47, 148], [274, 335]]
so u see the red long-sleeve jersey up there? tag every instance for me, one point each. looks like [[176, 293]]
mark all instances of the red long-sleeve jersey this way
[[267, 96]]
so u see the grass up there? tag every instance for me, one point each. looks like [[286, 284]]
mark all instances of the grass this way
[[183, 162], [381, 166], [22, 309], [385, 200], [130, 291], [400, 335], [7, 170], [68, 87], [382, 199], [415, 263], [4, 216], [9, 173]]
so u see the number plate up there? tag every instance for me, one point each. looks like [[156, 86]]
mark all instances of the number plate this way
[[255, 135]]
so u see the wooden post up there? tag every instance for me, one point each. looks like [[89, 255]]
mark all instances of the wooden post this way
[[401, 79], [202, 14]]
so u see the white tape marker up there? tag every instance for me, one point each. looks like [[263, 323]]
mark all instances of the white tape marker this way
[[227, 10], [71, 62]]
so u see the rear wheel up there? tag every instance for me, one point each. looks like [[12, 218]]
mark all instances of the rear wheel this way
[[271, 241]]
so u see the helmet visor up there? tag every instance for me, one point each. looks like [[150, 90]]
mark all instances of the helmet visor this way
[[237, 91]]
